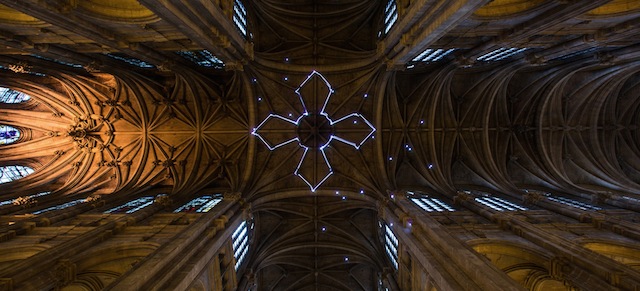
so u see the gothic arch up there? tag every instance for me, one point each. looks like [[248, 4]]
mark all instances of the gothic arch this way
[[527, 264], [627, 253], [97, 268]]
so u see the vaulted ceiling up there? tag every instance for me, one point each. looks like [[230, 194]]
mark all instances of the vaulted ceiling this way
[[561, 115]]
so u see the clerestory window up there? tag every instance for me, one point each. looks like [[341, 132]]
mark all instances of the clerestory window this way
[[8, 134], [390, 15], [240, 240], [391, 245], [12, 96], [240, 17], [14, 172], [61, 206], [200, 205], [132, 206]]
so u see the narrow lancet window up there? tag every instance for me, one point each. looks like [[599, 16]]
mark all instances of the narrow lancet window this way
[[391, 245], [8, 134], [12, 96], [390, 15], [240, 240], [131, 61], [14, 172], [240, 17], [500, 54], [573, 203], [431, 55], [202, 58], [499, 204], [429, 204], [199, 205], [132, 206], [61, 206]]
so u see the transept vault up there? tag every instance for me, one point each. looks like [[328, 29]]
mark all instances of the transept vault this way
[[319, 145]]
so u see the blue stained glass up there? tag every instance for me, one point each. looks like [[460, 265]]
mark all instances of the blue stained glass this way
[[61, 206], [131, 61], [12, 96], [8, 134], [132, 206], [199, 205], [12, 173]]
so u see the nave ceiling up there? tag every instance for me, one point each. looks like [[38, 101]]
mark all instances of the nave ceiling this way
[[561, 116]]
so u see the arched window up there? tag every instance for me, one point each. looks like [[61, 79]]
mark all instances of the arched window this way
[[240, 239], [132, 206], [8, 134], [199, 205], [12, 173], [240, 17], [12, 96]]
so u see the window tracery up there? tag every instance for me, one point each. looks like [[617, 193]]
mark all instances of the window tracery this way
[[572, 203], [8, 134], [391, 245], [14, 172], [59, 207], [431, 55], [240, 17], [12, 96], [132, 206], [430, 204], [495, 203], [203, 58], [240, 240], [500, 54], [131, 61], [390, 15], [199, 205]]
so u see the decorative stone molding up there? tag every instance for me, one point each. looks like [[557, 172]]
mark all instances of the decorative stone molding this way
[[163, 200], [462, 196], [532, 197], [65, 272], [231, 196], [6, 284]]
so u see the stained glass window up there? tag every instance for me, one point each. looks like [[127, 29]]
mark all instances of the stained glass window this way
[[500, 54], [61, 206], [202, 58], [12, 96], [8, 134], [432, 204], [131, 61], [572, 203], [391, 245], [240, 240], [199, 205], [12, 173], [431, 55], [58, 61], [240, 17], [390, 15], [132, 206], [499, 204]]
